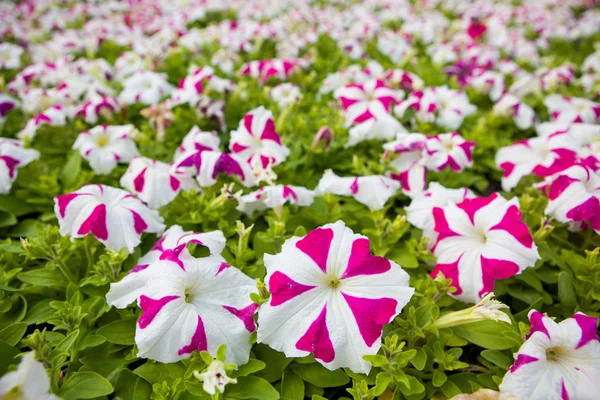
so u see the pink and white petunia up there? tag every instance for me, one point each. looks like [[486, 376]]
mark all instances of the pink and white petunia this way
[[97, 106], [274, 197], [53, 116], [490, 83], [572, 109], [362, 102], [154, 182], [13, 156], [197, 140], [559, 76], [512, 106], [115, 217], [410, 161], [189, 304], [574, 196], [206, 165], [7, 103], [145, 87], [10, 56], [372, 191], [406, 80], [478, 241], [271, 68], [104, 146], [420, 211], [29, 382], [541, 156], [330, 297], [449, 150], [382, 126], [175, 239], [558, 361], [286, 94], [257, 141], [442, 105]]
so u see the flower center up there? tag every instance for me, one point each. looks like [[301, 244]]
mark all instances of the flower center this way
[[102, 140], [480, 234], [334, 283], [554, 353], [189, 295]]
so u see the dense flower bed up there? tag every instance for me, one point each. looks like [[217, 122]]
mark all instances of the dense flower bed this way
[[291, 199]]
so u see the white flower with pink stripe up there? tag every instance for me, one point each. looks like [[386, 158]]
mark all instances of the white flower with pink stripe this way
[[154, 182], [115, 217], [189, 304], [449, 150], [572, 109], [541, 156], [574, 196], [372, 191], [512, 106], [362, 102], [330, 297], [53, 116], [558, 361], [175, 239], [207, 165], [274, 197], [13, 156], [478, 241], [104, 146], [198, 140], [257, 141], [7, 103], [410, 161], [97, 106]]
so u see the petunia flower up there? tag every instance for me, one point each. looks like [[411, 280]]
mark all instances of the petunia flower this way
[[362, 102], [29, 382], [478, 241], [145, 87], [406, 80], [13, 156], [274, 197], [572, 109], [53, 116], [206, 165], [214, 378], [512, 106], [154, 182], [175, 239], [449, 150], [189, 304], [410, 161], [559, 76], [198, 140], [382, 126], [330, 298], [104, 146], [97, 106], [7, 103], [10, 56], [558, 361], [574, 196], [420, 211], [115, 217], [285, 94], [442, 105], [372, 191], [257, 141], [541, 156], [490, 83]]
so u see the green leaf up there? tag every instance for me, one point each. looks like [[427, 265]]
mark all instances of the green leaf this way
[[450, 389], [71, 170], [91, 341], [85, 385], [292, 386], [105, 364], [159, 373], [119, 332], [274, 360], [7, 219], [131, 387], [12, 334], [251, 367], [489, 334], [39, 313], [67, 342], [44, 277], [320, 376], [419, 360], [251, 387], [566, 292], [15, 206], [439, 378], [7, 356], [497, 358]]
